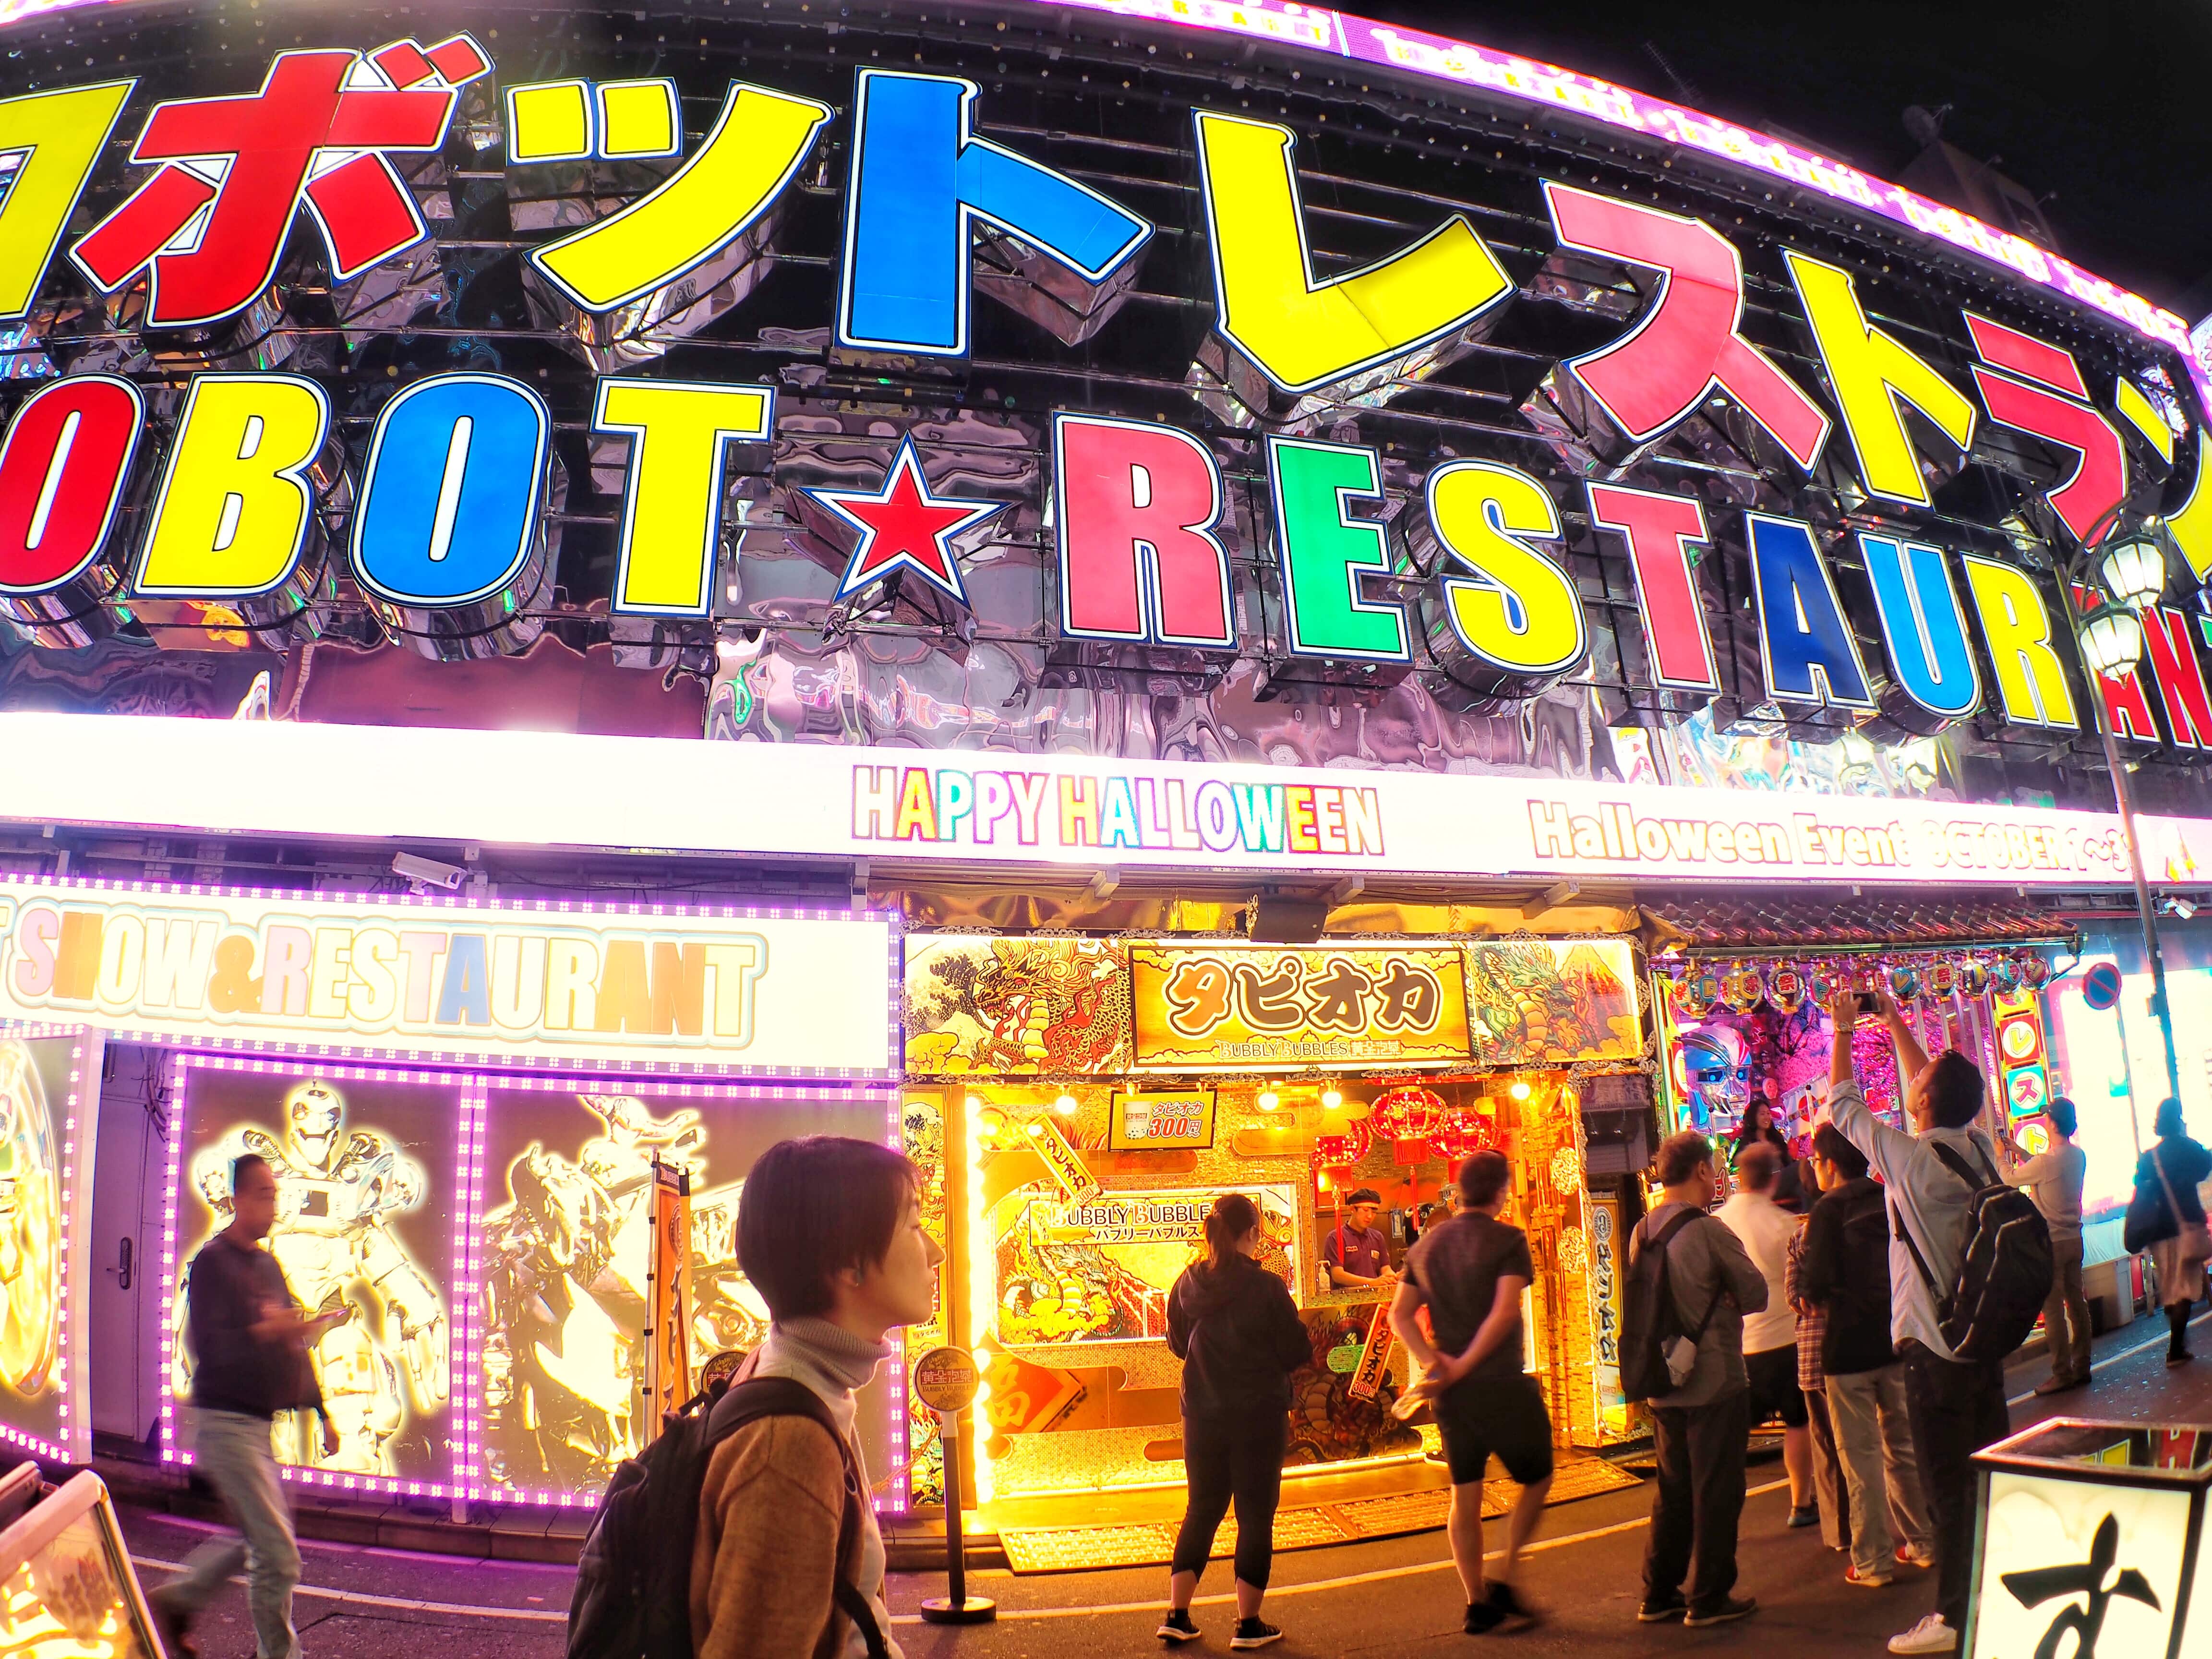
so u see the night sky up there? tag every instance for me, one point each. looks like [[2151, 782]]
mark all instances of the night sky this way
[[2105, 104]]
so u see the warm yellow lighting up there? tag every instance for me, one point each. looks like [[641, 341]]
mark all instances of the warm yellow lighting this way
[[1034, 1127], [1065, 1105], [1519, 1090], [982, 1299], [1331, 1099], [974, 1102], [1270, 1101]]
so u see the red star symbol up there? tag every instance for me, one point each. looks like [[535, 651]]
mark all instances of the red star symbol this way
[[903, 526]]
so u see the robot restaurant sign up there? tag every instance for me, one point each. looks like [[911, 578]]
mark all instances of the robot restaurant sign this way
[[232, 486], [433, 980]]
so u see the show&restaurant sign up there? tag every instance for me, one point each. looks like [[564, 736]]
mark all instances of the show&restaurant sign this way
[[652, 989]]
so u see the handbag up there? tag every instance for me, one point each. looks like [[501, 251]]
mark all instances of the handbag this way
[[2196, 1238]]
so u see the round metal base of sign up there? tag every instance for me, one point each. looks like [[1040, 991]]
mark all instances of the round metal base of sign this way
[[943, 1610]]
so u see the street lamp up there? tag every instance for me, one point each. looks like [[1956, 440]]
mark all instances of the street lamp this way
[[2111, 641], [2134, 570], [2129, 554]]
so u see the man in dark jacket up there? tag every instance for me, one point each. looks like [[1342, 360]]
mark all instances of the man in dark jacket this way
[[1699, 1430], [1469, 1273], [1233, 1325], [1846, 1271], [249, 1341]]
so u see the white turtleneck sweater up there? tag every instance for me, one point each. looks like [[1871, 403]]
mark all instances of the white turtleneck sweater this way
[[833, 1362]]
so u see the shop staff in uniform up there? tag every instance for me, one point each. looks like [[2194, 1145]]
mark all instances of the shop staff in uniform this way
[[1469, 1273], [1355, 1248]]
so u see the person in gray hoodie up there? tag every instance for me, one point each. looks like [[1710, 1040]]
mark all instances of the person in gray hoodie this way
[[1233, 1325]]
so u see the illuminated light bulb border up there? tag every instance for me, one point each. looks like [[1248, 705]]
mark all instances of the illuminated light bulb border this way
[[341, 1052], [73, 1425], [465, 1317]]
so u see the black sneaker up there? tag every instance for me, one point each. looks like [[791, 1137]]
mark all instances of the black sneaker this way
[[1720, 1612], [1513, 1612], [1254, 1633], [1482, 1617], [1660, 1609], [1177, 1627]]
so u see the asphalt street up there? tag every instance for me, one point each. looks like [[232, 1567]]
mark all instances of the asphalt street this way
[[1395, 1596]]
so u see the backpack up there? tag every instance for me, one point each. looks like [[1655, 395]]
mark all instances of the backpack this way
[[633, 1598], [2004, 1269], [1651, 1330]]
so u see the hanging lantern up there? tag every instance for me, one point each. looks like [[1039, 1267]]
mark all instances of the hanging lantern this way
[[1822, 981], [1904, 981], [1787, 987], [2033, 970], [1342, 1149], [1409, 1114], [1460, 1133], [1741, 987], [1696, 992], [1942, 979], [1973, 978], [2004, 975]]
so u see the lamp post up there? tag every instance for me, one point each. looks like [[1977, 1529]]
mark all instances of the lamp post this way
[[2125, 555]]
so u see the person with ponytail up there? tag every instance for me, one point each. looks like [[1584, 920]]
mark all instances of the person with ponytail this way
[[1233, 1325]]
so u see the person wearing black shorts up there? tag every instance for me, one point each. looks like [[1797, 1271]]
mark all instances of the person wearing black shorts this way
[[1469, 1273]]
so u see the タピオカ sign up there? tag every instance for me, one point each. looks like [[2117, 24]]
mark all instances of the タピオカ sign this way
[[1254, 1007]]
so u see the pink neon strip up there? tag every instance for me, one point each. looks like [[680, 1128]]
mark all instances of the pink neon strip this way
[[1439, 57]]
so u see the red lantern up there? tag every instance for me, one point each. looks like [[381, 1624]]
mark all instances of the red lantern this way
[[1341, 1151], [1407, 1114]]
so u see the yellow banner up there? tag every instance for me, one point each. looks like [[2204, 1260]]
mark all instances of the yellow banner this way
[[1251, 1007]]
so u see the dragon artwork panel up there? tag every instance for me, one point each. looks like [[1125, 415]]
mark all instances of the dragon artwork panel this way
[[1016, 1006], [564, 1247], [1548, 1002]]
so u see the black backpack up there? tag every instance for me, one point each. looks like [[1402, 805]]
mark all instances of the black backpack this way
[[633, 1597], [1648, 1324], [2004, 1270]]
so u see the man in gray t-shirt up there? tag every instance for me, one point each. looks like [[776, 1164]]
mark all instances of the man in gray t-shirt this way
[[2055, 1177]]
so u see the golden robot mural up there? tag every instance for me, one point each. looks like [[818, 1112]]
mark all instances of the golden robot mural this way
[[363, 1228]]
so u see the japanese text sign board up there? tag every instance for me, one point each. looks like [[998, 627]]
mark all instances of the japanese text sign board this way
[[2092, 1531], [1252, 1007]]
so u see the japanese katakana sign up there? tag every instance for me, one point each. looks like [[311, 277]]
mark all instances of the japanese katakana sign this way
[[1232, 1007]]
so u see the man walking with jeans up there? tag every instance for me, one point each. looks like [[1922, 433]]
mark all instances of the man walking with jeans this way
[[1956, 1407], [1698, 1430], [249, 1341]]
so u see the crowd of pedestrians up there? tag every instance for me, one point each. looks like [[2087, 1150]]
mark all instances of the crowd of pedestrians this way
[[1829, 1302]]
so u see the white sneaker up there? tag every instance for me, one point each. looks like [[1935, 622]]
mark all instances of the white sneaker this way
[[1930, 1635]]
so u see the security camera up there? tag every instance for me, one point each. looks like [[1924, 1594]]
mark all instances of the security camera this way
[[428, 873]]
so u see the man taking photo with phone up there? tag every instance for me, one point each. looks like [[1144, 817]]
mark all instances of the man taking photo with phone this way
[[1956, 1407]]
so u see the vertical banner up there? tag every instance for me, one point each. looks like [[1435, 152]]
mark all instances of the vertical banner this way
[[668, 1362], [49, 1097], [1373, 1366]]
